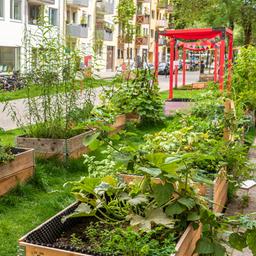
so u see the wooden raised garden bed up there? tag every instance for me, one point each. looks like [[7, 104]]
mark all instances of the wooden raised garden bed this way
[[206, 77], [72, 147], [133, 117], [19, 170], [118, 124], [40, 241]]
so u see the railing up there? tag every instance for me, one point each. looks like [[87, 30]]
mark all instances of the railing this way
[[143, 19], [76, 30], [45, 1], [82, 3], [142, 40], [104, 35]]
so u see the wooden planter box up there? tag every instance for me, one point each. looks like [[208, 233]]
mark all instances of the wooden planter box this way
[[38, 241], [19, 170], [206, 77], [118, 124], [133, 117], [72, 147]]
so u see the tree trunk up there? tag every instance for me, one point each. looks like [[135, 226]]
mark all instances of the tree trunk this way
[[247, 33]]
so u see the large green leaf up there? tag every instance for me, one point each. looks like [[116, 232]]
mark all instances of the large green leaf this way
[[153, 216], [90, 139], [188, 202], [204, 246], [162, 193], [219, 250], [193, 216], [154, 172], [137, 200], [250, 239], [174, 208], [156, 159], [237, 241]]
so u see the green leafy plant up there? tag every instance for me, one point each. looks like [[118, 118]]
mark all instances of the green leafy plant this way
[[52, 67], [6, 154]]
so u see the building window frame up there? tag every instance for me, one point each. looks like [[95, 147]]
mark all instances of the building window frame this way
[[53, 20], [2, 5], [17, 16]]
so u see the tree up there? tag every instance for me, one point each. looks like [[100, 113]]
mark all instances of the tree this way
[[125, 13]]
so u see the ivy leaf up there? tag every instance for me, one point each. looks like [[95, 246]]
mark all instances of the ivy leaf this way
[[237, 241], [204, 246], [154, 172], [162, 193], [193, 216], [250, 239], [175, 208], [188, 202]]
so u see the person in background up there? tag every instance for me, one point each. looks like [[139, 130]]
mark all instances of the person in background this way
[[202, 66]]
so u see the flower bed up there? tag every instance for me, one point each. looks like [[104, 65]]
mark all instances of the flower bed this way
[[40, 241], [20, 169], [72, 147]]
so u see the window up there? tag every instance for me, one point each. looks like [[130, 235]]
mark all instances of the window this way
[[152, 33], [15, 9], [131, 53], [145, 31], [120, 54], [1, 8], [33, 13], [153, 14], [74, 17], [9, 59], [53, 16]]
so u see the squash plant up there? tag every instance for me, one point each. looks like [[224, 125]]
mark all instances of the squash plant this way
[[154, 210]]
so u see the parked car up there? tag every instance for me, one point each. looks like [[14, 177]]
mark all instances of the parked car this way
[[149, 66], [162, 67]]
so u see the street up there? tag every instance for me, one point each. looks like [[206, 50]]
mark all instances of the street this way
[[7, 122]]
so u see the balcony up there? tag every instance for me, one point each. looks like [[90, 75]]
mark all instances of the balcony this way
[[102, 34], [76, 30], [161, 23], [162, 4], [78, 3], [142, 19], [109, 7], [142, 40], [162, 41], [42, 1]]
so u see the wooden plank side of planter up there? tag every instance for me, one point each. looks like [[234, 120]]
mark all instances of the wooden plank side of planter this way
[[118, 125], [132, 117], [75, 145], [46, 148], [38, 250], [220, 193], [187, 242], [9, 183], [22, 161], [43, 147]]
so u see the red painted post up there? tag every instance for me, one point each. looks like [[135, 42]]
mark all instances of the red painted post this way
[[176, 67], [172, 45], [230, 58], [222, 63], [156, 55], [215, 64], [184, 67]]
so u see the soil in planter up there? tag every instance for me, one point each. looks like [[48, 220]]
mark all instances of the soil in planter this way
[[99, 238]]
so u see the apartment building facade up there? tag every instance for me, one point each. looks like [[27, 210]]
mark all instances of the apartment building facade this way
[[18, 16], [87, 25]]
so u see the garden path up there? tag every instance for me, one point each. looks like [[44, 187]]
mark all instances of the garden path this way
[[235, 206]]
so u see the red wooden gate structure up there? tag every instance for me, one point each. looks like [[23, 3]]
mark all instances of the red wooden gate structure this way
[[217, 34]]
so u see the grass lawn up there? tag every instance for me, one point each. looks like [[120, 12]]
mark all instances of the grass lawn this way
[[29, 205], [8, 137], [35, 90], [182, 93]]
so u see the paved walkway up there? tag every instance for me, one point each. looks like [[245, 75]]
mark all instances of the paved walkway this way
[[7, 122], [235, 206]]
